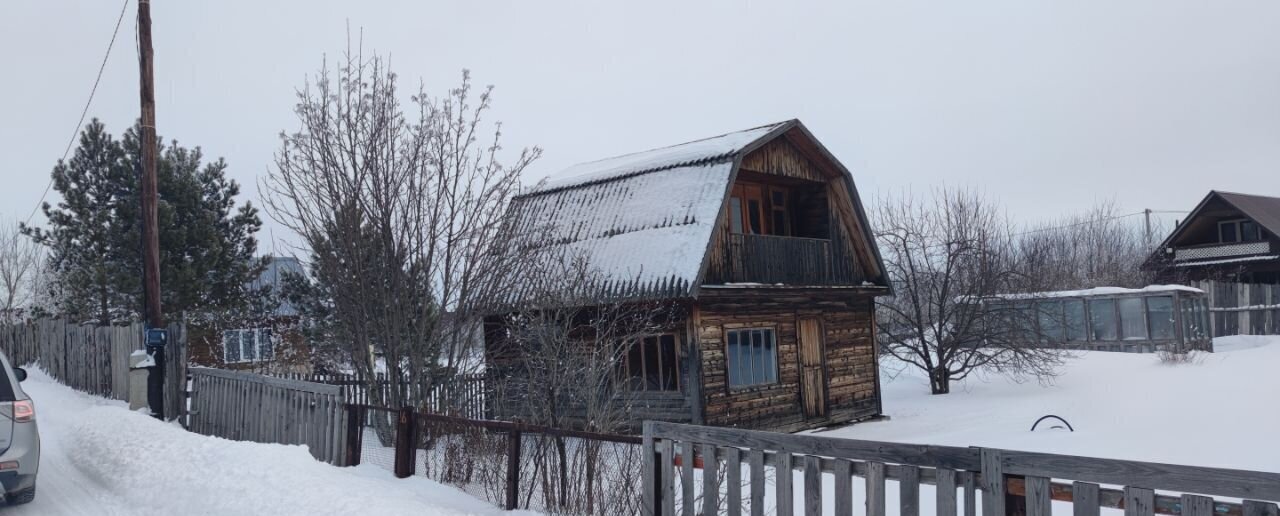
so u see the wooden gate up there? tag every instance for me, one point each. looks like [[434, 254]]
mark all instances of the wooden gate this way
[[813, 374]]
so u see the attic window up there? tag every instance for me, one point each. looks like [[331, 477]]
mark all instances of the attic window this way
[[759, 209], [1240, 230]]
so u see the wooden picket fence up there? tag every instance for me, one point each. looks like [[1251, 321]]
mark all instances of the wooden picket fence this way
[[251, 407], [95, 359], [461, 395], [1010, 482], [1242, 308]]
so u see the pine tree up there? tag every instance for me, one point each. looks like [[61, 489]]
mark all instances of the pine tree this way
[[207, 243], [83, 252]]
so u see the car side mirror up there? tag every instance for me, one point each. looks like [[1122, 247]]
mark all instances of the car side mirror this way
[[20, 373]]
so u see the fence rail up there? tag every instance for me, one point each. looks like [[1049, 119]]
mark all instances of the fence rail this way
[[1011, 482], [95, 359], [251, 407]]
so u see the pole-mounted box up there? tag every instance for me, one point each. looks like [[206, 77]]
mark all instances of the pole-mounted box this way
[[156, 337]]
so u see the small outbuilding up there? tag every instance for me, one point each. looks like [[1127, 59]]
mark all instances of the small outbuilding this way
[[761, 239]]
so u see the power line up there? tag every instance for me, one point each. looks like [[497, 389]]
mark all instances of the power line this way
[[1094, 221], [83, 112]]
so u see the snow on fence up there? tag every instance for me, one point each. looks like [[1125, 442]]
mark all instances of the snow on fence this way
[[251, 407], [512, 465], [1011, 482], [94, 359], [1242, 308]]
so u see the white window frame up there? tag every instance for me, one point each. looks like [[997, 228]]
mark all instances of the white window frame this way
[[263, 338]]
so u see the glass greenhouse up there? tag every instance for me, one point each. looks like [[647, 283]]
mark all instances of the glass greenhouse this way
[[1145, 320]]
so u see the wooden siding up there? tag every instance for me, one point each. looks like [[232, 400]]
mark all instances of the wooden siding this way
[[779, 157], [852, 388]]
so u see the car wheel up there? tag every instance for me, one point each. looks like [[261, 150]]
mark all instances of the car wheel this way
[[23, 496]]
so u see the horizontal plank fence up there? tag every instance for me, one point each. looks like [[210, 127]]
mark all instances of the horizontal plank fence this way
[[460, 395], [94, 359], [251, 407], [692, 470]]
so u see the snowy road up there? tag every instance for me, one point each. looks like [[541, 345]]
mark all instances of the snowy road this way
[[99, 458]]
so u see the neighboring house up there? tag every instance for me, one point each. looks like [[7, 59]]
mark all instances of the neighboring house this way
[[265, 340], [1228, 246], [761, 237]]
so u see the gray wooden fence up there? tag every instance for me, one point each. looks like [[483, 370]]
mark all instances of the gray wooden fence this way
[[1010, 482], [1242, 308], [251, 407], [94, 359]]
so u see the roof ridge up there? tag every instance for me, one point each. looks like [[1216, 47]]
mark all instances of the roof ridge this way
[[711, 149]]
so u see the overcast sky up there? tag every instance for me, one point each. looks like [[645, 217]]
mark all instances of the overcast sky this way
[[1046, 106]]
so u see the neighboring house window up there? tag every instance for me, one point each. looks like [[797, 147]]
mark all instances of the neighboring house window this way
[[1241, 230], [752, 357], [651, 364], [247, 345]]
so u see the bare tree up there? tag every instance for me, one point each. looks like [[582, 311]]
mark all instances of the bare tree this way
[[400, 207], [1100, 247], [21, 271], [946, 254]]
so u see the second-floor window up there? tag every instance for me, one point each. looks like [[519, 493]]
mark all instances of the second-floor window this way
[[760, 209], [247, 345], [1242, 230]]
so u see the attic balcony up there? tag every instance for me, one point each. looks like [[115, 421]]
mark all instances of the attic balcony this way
[[1218, 251], [771, 259]]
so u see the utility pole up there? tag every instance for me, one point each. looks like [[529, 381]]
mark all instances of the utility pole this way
[[1147, 213], [150, 233]]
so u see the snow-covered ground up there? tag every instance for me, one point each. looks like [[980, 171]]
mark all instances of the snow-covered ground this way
[[100, 458], [1215, 412]]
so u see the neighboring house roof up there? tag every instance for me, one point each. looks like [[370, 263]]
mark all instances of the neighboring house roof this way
[[1263, 210], [273, 276], [644, 221]]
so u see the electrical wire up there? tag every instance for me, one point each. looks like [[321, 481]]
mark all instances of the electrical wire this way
[[84, 112]]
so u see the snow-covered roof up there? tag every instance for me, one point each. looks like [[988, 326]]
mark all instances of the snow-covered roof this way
[[1101, 291], [642, 223], [699, 151]]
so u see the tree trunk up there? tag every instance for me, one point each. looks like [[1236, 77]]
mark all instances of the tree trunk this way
[[940, 380]]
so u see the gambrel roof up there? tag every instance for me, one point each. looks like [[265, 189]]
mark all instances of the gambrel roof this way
[[644, 221]]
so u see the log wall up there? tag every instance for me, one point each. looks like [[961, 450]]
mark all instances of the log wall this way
[[851, 374]]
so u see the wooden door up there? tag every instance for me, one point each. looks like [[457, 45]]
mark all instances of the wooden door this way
[[813, 374]]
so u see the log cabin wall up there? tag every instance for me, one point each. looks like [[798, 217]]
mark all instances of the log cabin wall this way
[[850, 357]]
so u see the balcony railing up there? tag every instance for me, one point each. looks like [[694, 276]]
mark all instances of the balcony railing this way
[[1212, 251], [783, 260]]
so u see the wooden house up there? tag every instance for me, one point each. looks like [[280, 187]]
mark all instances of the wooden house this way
[[760, 236], [269, 340], [1228, 246]]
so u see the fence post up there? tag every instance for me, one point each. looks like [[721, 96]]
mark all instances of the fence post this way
[[405, 442], [650, 474], [993, 485], [513, 469], [355, 425]]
